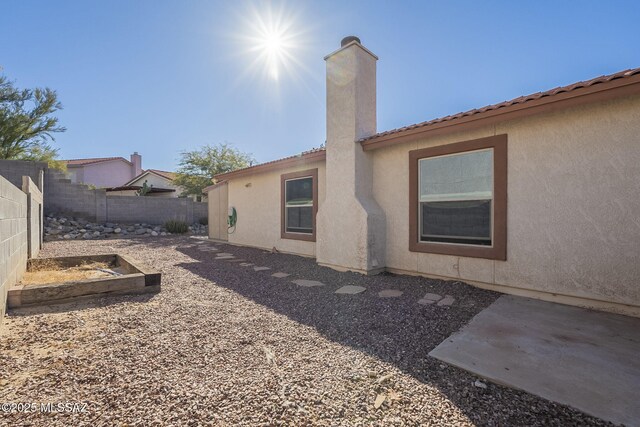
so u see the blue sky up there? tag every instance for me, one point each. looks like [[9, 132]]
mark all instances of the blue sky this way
[[160, 76]]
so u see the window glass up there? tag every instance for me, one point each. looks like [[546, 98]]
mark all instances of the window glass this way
[[299, 191], [455, 196], [299, 205], [464, 176]]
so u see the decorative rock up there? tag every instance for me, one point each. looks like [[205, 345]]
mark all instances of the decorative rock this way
[[117, 230], [107, 230], [479, 384], [350, 290], [389, 293], [141, 231], [154, 233]]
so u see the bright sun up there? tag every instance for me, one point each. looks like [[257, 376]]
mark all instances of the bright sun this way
[[272, 40]]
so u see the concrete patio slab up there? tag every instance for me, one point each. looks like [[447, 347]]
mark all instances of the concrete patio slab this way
[[261, 268], [308, 283], [582, 358], [280, 275], [389, 293], [351, 290]]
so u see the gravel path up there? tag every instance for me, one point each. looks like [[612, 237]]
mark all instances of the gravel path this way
[[223, 344]]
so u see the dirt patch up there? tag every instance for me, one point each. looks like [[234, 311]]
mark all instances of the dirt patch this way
[[51, 272]]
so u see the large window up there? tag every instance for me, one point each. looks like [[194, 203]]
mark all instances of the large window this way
[[299, 205], [458, 199]]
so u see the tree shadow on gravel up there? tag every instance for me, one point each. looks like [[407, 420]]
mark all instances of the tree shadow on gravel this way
[[398, 330]]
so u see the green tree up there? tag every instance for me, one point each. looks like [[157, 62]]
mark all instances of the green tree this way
[[27, 123], [197, 168]]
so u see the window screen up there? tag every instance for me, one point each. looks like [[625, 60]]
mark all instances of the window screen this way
[[299, 205], [455, 198]]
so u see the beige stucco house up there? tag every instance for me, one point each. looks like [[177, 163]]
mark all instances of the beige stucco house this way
[[538, 196]]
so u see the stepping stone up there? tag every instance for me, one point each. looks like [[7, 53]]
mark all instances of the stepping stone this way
[[447, 300], [389, 293], [235, 260], [205, 249], [224, 254], [261, 268], [280, 275], [246, 264], [225, 257], [351, 290], [308, 283], [432, 297], [425, 301]]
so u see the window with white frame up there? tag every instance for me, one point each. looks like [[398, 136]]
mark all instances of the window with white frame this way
[[299, 208], [456, 198]]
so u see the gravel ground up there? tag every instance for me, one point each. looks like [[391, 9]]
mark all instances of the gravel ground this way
[[223, 344]]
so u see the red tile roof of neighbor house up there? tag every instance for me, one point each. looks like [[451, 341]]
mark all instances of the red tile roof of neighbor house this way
[[82, 162], [600, 88], [165, 174]]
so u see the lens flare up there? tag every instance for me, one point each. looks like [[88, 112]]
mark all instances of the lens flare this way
[[273, 41]]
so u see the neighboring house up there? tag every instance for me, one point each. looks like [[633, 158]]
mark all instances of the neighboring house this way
[[160, 184], [538, 196], [104, 172]]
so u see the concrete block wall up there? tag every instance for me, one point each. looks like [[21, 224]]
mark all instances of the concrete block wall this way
[[62, 195], [13, 238], [35, 216], [153, 210], [14, 170]]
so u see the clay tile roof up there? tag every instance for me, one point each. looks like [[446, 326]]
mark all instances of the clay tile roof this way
[[520, 100], [315, 154], [82, 162], [165, 174]]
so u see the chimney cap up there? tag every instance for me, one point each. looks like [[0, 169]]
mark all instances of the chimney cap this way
[[345, 41]]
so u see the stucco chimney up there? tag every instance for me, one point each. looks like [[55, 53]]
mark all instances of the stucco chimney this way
[[136, 164], [351, 233]]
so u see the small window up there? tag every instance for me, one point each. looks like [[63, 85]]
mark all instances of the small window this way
[[458, 199], [299, 205]]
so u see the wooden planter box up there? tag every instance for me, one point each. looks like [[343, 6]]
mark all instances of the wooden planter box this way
[[135, 279]]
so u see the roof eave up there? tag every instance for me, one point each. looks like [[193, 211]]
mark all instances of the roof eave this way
[[314, 156], [598, 92]]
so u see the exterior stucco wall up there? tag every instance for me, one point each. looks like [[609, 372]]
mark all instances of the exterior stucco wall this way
[[257, 202], [104, 174], [218, 211], [572, 209]]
